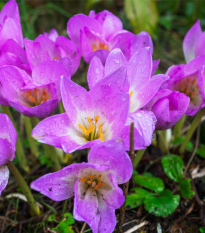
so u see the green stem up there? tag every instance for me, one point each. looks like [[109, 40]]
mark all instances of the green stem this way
[[34, 121], [191, 130], [32, 143], [51, 153], [138, 157], [178, 127], [162, 141], [35, 211], [19, 147], [61, 108]]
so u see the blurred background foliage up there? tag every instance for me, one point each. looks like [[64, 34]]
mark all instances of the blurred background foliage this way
[[166, 20]]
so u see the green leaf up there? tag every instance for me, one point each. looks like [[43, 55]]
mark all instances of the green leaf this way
[[52, 218], [69, 221], [148, 174], [163, 204], [185, 188], [201, 151], [143, 15], [152, 183], [202, 229], [173, 167], [178, 140], [137, 198]]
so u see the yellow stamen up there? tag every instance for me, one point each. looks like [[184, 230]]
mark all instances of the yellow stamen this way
[[96, 119], [131, 93], [83, 179], [83, 128], [99, 176], [89, 120], [94, 47], [89, 130], [44, 96], [98, 185], [93, 177], [193, 81], [101, 137], [89, 182], [31, 98], [187, 92], [100, 128], [35, 91], [103, 46]]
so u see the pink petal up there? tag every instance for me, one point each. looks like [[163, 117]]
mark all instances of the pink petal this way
[[4, 177], [190, 41], [112, 153]]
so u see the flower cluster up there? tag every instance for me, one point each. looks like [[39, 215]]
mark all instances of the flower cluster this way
[[123, 88]]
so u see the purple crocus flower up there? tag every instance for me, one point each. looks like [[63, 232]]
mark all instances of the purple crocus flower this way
[[8, 137], [45, 48], [168, 107], [97, 35], [194, 42], [188, 79], [94, 185], [52, 35], [37, 95], [10, 25], [91, 117]]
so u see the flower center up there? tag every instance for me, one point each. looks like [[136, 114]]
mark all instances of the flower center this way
[[35, 96], [131, 92], [189, 87], [98, 46], [93, 181], [92, 132]]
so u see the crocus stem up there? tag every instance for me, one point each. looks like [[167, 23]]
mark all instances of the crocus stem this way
[[191, 130], [35, 211], [51, 153], [19, 147], [126, 185], [61, 108], [34, 121], [32, 143], [178, 127], [138, 157]]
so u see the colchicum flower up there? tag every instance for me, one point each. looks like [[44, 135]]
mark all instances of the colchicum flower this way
[[141, 86], [98, 34], [194, 41], [8, 137], [52, 35], [168, 107], [94, 185], [11, 38], [188, 79], [37, 95], [53, 47]]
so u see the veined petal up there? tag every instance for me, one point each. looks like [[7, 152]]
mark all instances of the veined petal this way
[[72, 51], [112, 153], [52, 35], [5, 151], [141, 40], [155, 66], [117, 81], [76, 100], [141, 97], [140, 67], [95, 72], [78, 22], [58, 186], [111, 24], [144, 126], [52, 129], [190, 40], [115, 60], [4, 177]]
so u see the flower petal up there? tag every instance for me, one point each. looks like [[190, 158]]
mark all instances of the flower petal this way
[[144, 126], [73, 54], [4, 177], [190, 41], [111, 24], [117, 81], [58, 186], [95, 72], [78, 22], [112, 153], [52, 129], [141, 40], [5, 151], [115, 60]]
